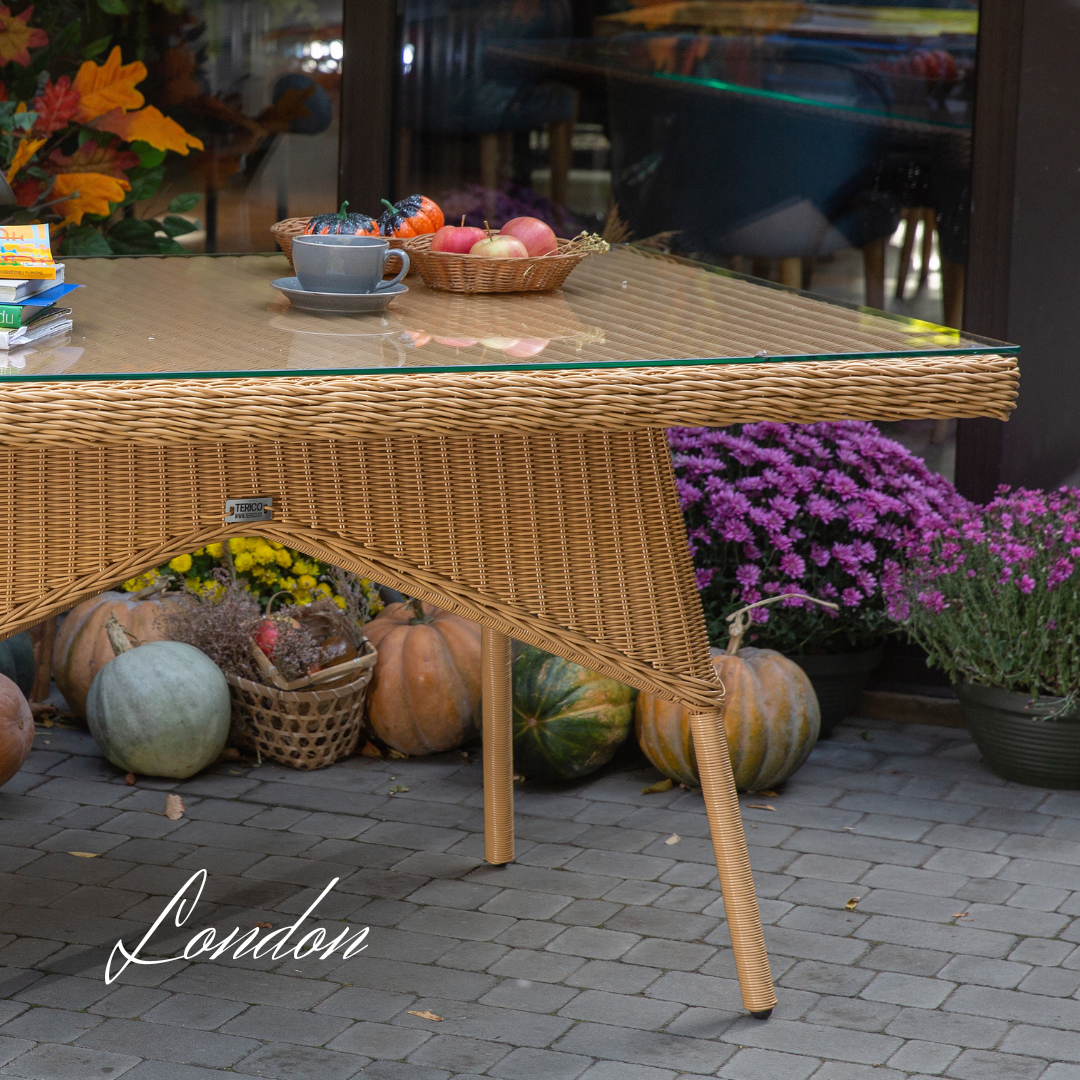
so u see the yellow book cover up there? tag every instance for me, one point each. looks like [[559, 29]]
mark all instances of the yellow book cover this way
[[25, 252]]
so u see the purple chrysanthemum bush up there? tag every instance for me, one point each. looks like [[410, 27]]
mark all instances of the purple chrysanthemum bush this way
[[822, 509], [993, 595]]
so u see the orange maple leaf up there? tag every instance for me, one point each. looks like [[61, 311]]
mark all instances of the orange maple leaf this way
[[148, 125], [16, 38], [90, 193], [92, 158], [109, 86], [26, 150]]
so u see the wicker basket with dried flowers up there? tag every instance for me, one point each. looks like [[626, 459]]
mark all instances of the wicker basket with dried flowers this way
[[298, 677]]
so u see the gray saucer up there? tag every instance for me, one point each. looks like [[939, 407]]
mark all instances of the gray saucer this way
[[333, 301]]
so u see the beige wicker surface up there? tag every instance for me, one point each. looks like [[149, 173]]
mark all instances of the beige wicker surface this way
[[219, 315], [568, 537], [307, 729], [453, 272]]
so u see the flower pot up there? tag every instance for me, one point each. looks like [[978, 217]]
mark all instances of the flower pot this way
[[838, 680], [1018, 741]]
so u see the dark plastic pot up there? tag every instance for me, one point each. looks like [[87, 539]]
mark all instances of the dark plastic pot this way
[[838, 680], [1017, 740]]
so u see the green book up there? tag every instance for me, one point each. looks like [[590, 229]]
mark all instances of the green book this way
[[14, 315]]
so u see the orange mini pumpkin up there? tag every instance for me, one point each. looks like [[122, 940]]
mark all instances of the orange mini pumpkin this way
[[424, 696], [412, 216], [771, 719]]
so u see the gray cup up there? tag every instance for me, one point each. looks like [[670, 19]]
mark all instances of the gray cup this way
[[345, 264]]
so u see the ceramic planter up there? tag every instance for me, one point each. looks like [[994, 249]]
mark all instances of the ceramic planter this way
[[1018, 741], [838, 680]]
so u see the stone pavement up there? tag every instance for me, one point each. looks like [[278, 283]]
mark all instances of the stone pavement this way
[[601, 953]]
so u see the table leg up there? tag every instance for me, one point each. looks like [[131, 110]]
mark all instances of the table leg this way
[[733, 863], [498, 747]]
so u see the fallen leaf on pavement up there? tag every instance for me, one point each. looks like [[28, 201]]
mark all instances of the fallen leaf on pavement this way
[[760, 806], [960, 914], [174, 807], [265, 925], [84, 854], [397, 755], [769, 794], [424, 1014], [660, 785], [852, 904], [371, 750], [130, 779], [674, 838], [397, 789]]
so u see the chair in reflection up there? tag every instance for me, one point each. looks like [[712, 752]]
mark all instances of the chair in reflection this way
[[451, 87], [757, 176]]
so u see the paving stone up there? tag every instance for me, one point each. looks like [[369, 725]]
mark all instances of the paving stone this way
[[543, 880], [1046, 1043], [1040, 898], [898, 989], [289, 1061], [983, 1065], [622, 977], [768, 1065], [50, 1025], [924, 1057], [621, 1009], [185, 1045], [853, 1013], [378, 1040], [824, 920], [528, 995], [53, 1062], [396, 1070], [529, 934], [811, 946], [415, 948], [459, 1054], [480, 955], [813, 1039], [486, 1022], [394, 975], [851, 845], [593, 943], [364, 1003], [610, 1070], [657, 1049], [843, 1070], [950, 1028], [1041, 951], [1056, 982], [822, 978], [129, 1001], [1016, 1006], [1061, 1071], [525, 905], [254, 987], [588, 912], [170, 1070], [957, 939]]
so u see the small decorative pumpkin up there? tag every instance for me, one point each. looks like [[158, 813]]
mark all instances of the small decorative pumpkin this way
[[412, 216], [568, 721], [342, 224], [424, 696], [161, 709], [17, 661], [82, 648], [16, 729], [771, 717]]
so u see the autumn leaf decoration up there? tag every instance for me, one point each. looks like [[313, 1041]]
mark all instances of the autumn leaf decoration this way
[[55, 106], [16, 38], [96, 173]]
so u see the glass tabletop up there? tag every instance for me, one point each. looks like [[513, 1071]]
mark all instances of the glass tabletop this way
[[216, 316]]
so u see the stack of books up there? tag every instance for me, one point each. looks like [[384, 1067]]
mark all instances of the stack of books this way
[[31, 284]]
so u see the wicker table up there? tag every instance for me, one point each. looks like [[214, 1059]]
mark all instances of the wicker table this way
[[502, 456]]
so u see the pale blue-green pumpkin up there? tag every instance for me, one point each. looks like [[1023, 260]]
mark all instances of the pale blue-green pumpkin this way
[[161, 709]]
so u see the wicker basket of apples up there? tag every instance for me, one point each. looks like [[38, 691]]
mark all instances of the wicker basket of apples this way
[[524, 256]]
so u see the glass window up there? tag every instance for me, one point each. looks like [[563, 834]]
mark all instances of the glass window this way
[[824, 145], [259, 82]]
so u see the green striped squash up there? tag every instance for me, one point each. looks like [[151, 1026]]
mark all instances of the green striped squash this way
[[568, 721], [17, 661]]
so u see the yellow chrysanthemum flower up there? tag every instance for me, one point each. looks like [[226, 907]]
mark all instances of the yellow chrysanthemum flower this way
[[306, 581], [323, 588], [275, 545], [215, 550], [237, 544], [340, 601], [132, 584], [264, 553], [244, 560], [283, 557], [181, 564]]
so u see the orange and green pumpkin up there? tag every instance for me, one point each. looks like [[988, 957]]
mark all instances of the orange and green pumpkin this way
[[342, 224], [568, 721], [771, 718], [414, 215], [17, 661]]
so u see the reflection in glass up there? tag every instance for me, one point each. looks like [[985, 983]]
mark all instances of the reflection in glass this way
[[259, 82]]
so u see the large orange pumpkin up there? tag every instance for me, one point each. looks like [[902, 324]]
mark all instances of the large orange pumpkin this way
[[424, 696], [82, 647], [16, 729], [771, 718]]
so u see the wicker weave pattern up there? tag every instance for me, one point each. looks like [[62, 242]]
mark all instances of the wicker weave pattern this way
[[571, 541], [365, 406], [307, 729]]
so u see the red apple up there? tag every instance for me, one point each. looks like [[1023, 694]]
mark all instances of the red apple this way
[[526, 347], [500, 247], [457, 238], [536, 235]]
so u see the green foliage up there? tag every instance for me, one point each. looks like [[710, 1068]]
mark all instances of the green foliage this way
[[181, 204], [84, 240], [113, 7], [149, 156], [95, 48], [177, 226]]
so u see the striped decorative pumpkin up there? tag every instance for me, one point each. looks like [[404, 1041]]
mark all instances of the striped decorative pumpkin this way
[[771, 718]]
